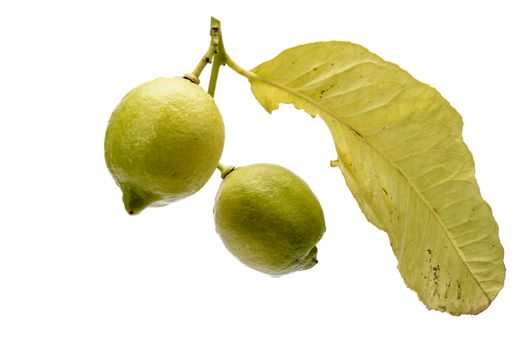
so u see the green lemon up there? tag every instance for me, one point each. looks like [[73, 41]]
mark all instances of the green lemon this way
[[269, 218], [163, 142]]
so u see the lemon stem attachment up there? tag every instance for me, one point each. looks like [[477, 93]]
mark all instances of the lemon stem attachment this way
[[225, 169], [208, 57], [217, 54]]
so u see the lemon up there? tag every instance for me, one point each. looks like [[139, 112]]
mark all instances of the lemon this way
[[163, 142], [269, 218]]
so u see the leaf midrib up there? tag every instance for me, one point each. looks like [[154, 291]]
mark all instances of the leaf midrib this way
[[393, 165]]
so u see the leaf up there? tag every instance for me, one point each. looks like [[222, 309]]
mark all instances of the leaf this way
[[401, 152]]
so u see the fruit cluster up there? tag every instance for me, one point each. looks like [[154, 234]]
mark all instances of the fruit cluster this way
[[163, 142]]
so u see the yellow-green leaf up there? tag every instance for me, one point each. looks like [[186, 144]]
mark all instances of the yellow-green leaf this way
[[401, 152]]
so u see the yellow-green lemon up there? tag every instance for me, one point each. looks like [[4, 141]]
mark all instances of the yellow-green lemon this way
[[163, 142], [269, 218]]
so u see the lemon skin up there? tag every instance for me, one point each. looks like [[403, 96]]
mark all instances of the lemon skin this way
[[163, 142], [269, 219]]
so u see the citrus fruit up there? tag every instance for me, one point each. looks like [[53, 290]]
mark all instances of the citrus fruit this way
[[163, 142], [269, 218]]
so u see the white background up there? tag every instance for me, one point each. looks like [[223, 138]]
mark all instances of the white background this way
[[76, 272]]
